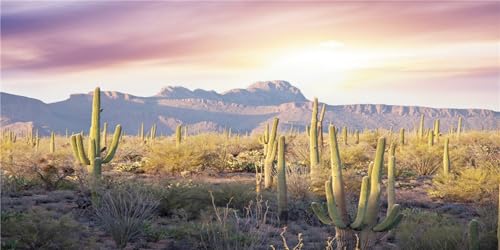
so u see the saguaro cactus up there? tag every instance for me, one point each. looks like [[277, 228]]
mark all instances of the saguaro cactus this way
[[446, 157], [272, 146], [313, 146], [178, 136], [320, 127], [357, 136], [152, 132], [368, 207], [459, 126], [52, 143], [430, 139], [93, 156], [402, 136], [282, 188], [264, 139], [344, 134], [473, 235], [421, 127], [436, 129], [141, 132]]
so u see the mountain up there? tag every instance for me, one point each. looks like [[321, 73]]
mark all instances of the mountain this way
[[243, 110]]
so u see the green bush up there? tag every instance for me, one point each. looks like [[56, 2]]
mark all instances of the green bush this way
[[428, 230], [40, 229], [469, 185]]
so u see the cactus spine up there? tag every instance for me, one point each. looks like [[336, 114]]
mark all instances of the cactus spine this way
[[272, 146], [52, 142], [282, 188], [93, 156], [446, 157], [368, 207], [178, 136]]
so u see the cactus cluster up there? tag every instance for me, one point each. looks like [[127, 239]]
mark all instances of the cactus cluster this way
[[366, 221], [92, 157]]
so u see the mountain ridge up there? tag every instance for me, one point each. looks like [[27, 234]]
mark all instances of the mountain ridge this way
[[244, 110]]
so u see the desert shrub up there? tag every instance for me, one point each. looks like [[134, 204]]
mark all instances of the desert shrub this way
[[298, 185], [420, 158], [355, 156], [428, 230], [469, 185], [191, 199], [39, 229], [124, 210], [228, 230], [246, 161]]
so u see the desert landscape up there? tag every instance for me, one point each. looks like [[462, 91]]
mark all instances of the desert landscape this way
[[163, 125]]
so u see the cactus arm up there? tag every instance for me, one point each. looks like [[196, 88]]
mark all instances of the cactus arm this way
[[114, 145], [320, 213], [363, 198], [332, 207], [74, 148], [375, 180], [81, 151], [338, 182], [391, 182], [391, 220]]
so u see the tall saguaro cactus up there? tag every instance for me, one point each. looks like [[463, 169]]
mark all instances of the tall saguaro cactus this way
[[366, 221], [313, 146], [446, 157], [459, 127], [270, 154], [282, 188], [93, 157], [344, 135], [178, 136], [474, 235], [52, 142], [421, 127], [402, 136], [436, 130]]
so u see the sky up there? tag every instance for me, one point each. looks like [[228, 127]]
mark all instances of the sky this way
[[426, 53]]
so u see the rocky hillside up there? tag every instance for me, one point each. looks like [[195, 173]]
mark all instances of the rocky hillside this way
[[240, 109]]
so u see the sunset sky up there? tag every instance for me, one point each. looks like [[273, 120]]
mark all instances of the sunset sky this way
[[437, 54]]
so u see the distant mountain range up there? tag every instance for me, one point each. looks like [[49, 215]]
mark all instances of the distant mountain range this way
[[242, 110]]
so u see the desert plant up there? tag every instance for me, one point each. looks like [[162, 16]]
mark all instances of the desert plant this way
[[446, 157], [227, 230], [314, 157], [459, 127], [402, 137], [124, 210], [270, 154], [52, 145], [421, 127], [368, 207], [39, 229], [473, 234], [93, 156], [282, 187], [178, 136]]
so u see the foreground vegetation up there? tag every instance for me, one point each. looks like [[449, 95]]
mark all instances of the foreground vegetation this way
[[373, 189]]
